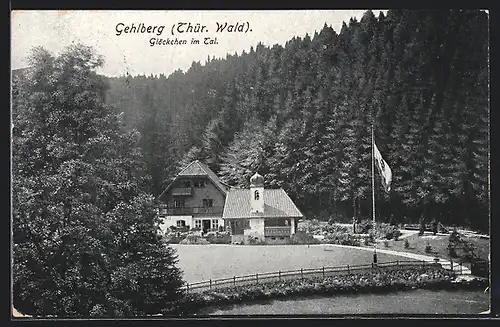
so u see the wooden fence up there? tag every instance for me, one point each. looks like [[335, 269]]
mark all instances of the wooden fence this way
[[305, 273]]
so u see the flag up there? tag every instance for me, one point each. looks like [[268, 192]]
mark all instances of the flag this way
[[383, 169]]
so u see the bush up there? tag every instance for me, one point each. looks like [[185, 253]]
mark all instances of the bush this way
[[301, 237], [428, 248], [364, 226], [377, 280], [434, 227], [407, 244], [386, 243], [342, 239], [218, 238], [256, 241], [194, 239]]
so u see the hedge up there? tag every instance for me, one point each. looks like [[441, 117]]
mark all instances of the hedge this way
[[374, 281]]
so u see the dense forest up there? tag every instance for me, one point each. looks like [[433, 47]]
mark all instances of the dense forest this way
[[301, 114], [90, 153]]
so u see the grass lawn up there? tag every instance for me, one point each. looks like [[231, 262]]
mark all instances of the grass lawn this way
[[439, 246], [204, 262]]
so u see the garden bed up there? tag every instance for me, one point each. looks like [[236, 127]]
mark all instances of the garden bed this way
[[376, 281]]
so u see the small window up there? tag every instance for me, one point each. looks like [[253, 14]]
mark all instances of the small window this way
[[163, 211], [181, 223], [179, 203], [215, 223], [247, 223], [199, 183], [197, 223], [208, 203], [256, 195]]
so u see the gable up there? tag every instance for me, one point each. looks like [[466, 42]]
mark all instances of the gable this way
[[197, 169]]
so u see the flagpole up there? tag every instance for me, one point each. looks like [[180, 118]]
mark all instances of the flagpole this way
[[373, 198]]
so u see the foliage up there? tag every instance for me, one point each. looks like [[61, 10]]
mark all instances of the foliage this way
[[379, 280], [301, 112], [407, 243], [428, 248], [342, 239], [194, 239], [301, 237], [85, 233], [219, 238]]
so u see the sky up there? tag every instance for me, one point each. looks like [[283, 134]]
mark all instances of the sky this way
[[132, 53]]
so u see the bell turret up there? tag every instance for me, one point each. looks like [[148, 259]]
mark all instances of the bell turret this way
[[257, 193]]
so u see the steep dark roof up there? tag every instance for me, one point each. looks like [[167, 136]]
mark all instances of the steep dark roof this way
[[276, 204], [197, 168]]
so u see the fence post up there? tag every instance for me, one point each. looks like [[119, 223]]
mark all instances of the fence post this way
[[187, 287], [348, 271], [323, 271], [210, 284], [279, 275], [257, 277], [460, 268], [451, 265], [301, 273], [234, 281], [397, 263]]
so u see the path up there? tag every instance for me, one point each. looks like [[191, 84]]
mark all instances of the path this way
[[444, 263]]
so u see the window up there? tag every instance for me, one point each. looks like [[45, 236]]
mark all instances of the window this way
[[197, 223], [181, 223], [186, 183], [199, 183], [215, 223], [208, 203], [247, 223], [163, 211], [286, 222], [179, 203], [256, 195]]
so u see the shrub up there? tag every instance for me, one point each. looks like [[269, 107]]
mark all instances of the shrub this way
[[194, 239], [216, 238], [386, 243], [434, 227], [364, 226], [421, 228], [342, 239], [428, 248], [301, 237], [407, 244], [379, 280]]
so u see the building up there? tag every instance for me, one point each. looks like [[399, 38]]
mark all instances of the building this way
[[197, 199], [194, 199], [260, 214]]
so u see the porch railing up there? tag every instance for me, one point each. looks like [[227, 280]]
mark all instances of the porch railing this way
[[191, 210], [277, 231]]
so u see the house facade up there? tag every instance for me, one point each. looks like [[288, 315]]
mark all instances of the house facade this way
[[194, 199], [259, 214], [197, 199]]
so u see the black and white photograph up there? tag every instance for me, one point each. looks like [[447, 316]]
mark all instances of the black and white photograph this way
[[215, 164]]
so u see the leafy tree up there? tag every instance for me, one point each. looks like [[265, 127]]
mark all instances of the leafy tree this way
[[86, 239]]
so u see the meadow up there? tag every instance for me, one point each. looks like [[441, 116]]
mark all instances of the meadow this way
[[204, 262]]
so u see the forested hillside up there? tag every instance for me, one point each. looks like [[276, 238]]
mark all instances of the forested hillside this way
[[300, 114]]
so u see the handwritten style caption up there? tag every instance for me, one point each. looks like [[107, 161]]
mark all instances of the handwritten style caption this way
[[181, 29]]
